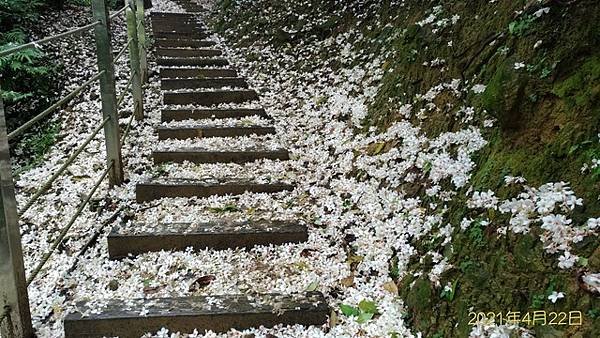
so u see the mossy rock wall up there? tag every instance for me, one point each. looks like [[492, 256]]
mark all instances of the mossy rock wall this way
[[547, 119]]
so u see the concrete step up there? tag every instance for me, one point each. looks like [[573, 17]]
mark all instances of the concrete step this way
[[200, 114], [194, 61], [168, 43], [216, 235], [174, 73], [203, 156], [182, 133], [174, 84], [153, 190], [183, 52], [208, 98], [193, 35], [214, 312]]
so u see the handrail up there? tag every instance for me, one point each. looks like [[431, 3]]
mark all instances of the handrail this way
[[125, 91], [48, 110], [66, 229], [46, 186], [48, 39], [122, 51], [115, 14], [126, 132], [15, 314], [5, 313]]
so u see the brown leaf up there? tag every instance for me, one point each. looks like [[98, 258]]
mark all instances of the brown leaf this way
[[391, 287], [333, 319], [307, 252], [202, 282], [348, 281], [151, 289]]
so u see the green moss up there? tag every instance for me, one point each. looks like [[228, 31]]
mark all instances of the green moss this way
[[548, 119], [420, 301], [581, 88]]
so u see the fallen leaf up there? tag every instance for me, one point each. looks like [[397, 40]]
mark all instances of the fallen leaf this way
[[391, 287], [312, 286], [201, 282], [307, 252], [333, 319], [348, 281]]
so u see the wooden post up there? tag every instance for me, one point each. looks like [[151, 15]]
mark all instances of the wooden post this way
[[108, 92], [13, 289], [134, 61], [142, 40]]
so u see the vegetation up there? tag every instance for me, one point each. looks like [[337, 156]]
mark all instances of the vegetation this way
[[547, 117], [28, 77]]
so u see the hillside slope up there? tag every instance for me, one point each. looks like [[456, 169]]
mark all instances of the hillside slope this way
[[484, 117]]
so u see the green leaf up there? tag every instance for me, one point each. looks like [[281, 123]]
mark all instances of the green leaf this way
[[427, 167], [379, 148], [367, 306], [364, 317], [348, 310], [312, 286]]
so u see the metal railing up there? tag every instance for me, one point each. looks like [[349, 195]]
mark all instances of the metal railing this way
[[15, 315]]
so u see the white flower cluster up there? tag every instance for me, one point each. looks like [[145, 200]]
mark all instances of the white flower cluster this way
[[546, 206]]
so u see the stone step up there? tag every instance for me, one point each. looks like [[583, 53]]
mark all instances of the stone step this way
[[195, 35], [183, 52], [202, 156], [216, 235], [208, 98], [194, 61], [219, 313], [174, 84], [168, 43], [182, 133], [174, 73], [200, 114], [153, 190]]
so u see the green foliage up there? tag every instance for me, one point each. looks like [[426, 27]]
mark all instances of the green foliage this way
[[20, 68], [476, 234], [394, 269], [28, 76], [519, 27], [349, 310], [17, 13], [225, 209], [364, 311], [35, 147], [449, 294]]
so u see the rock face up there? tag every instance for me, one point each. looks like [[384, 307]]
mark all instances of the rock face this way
[[539, 67]]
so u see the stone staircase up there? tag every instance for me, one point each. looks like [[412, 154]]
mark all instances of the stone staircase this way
[[206, 81]]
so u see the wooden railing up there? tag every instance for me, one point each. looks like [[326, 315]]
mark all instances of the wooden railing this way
[[15, 315]]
